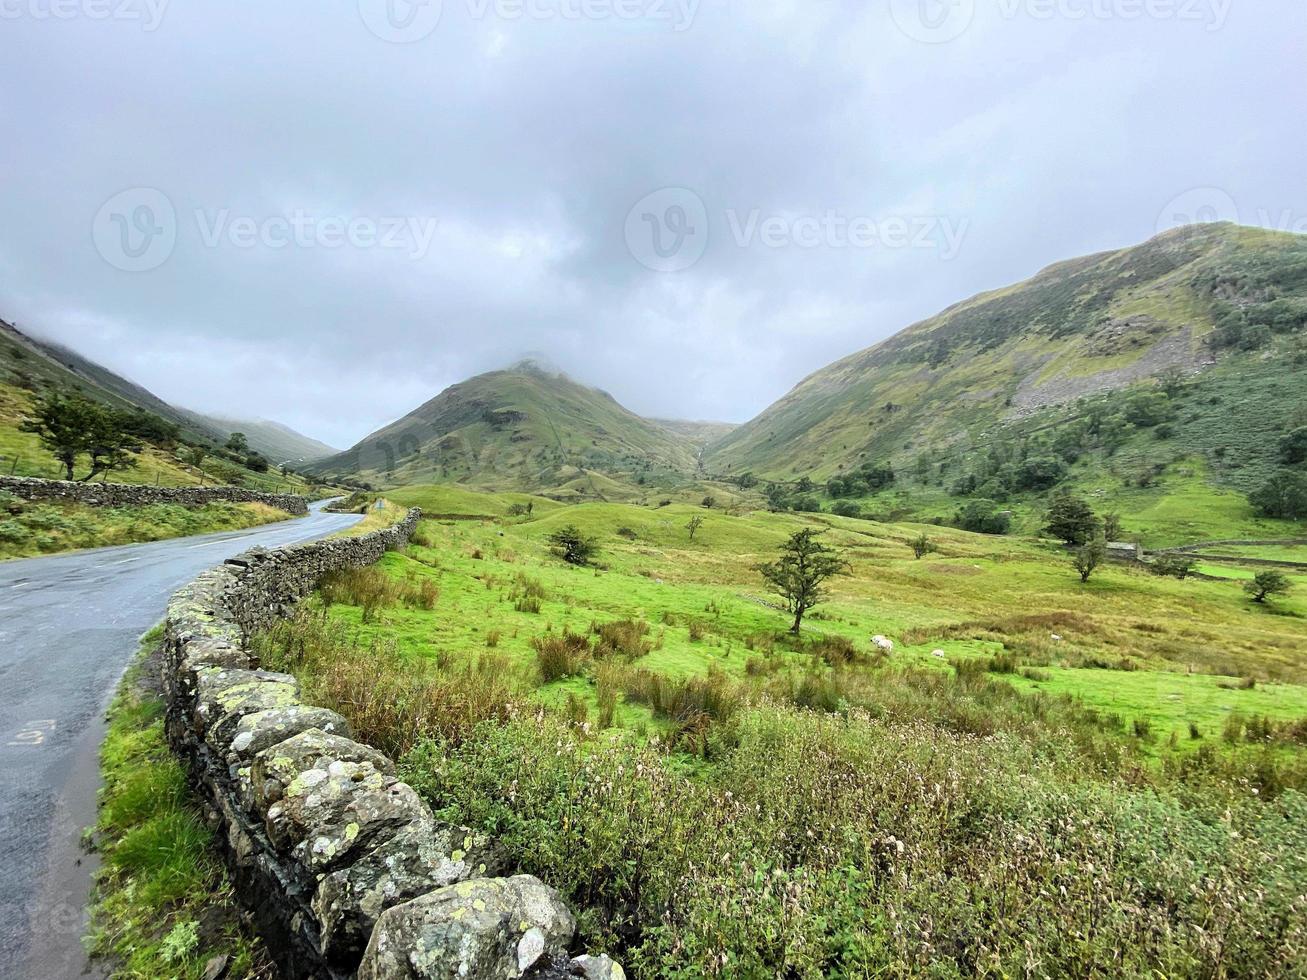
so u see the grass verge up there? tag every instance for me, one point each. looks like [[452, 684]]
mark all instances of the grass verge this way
[[163, 907], [30, 529]]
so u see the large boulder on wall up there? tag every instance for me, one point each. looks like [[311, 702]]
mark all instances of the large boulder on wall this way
[[483, 929]]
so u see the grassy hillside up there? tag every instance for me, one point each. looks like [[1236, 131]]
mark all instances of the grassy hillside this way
[[700, 434], [1037, 759], [38, 366], [29, 529], [520, 429], [21, 454], [1094, 324], [30, 367], [277, 443]]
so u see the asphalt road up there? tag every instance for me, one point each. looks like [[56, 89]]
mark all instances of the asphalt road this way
[[69, 625]]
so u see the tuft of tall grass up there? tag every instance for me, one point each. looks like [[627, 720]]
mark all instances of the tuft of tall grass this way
[[561, 655], [623, 638], [389, 704]]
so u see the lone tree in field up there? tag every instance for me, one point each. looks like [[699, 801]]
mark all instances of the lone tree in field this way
[[1089, 556], [109, 445], [1265, 585], [70, 426], [1071, 519], [923, 546], [798, 575], [572, 546], [196, 455], [694, 524]]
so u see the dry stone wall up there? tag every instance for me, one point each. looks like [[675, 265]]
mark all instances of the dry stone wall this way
[[343, 867], [140, 495]]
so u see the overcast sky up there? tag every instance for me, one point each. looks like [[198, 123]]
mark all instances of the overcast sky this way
[[323, 213]]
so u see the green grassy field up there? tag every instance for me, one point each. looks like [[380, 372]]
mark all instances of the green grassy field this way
[[969, 597], [717, 797]]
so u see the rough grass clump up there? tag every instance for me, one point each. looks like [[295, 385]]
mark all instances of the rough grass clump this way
[[389, 703], [684, 700], [528, 593], [626, 638], [836, 651], [372, 589], [561, 655]]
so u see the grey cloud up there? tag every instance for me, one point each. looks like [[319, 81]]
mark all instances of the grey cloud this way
[[527, 141]]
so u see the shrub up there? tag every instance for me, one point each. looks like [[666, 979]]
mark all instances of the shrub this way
[[1267, 584], [1284, 496], [983, 517], [1071, 520], [825, 845], [1174, 565], [572, 546]]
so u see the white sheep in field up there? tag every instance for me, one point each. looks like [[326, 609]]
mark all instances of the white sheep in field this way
[[883, 643]]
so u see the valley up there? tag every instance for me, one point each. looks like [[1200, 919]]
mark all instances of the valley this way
[[1059, 647]]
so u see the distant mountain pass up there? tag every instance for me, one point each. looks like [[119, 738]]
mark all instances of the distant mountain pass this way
[[280, 444]]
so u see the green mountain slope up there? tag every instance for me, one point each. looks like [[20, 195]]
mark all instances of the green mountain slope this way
[[38, 366], [524, 428], [1080, 328], [278, 443]]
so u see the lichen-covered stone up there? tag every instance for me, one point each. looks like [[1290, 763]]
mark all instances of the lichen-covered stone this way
[[324, 800], [264, 729], [276, 767], [483, 929], [224, 697], [596, 968], [221, 652], [420, 858]]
